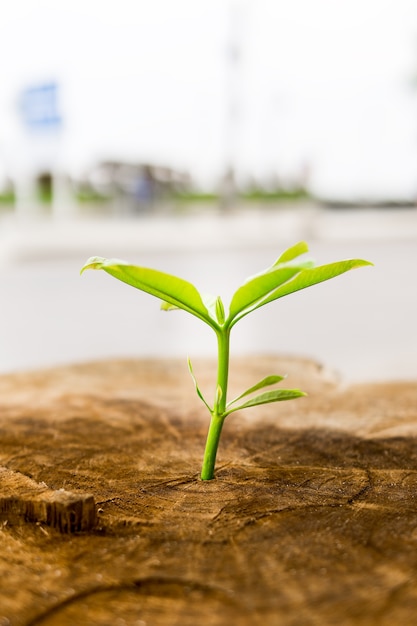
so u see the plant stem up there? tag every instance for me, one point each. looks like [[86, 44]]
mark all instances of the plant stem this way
[[212, 443], [217, 418]]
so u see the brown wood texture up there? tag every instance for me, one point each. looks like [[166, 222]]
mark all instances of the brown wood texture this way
[[24, 500], [311, 520]]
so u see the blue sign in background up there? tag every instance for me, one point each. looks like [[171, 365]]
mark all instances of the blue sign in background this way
[[39, 107]]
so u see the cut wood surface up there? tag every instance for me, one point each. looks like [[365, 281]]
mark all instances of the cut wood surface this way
[[311, 519], [24, 500]]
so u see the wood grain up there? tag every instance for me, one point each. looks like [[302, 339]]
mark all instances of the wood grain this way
[[23, 499], [311, 520]]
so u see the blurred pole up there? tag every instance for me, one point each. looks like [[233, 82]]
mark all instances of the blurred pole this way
[[41, 152], [63, 202], [25, 193], [228, 188]]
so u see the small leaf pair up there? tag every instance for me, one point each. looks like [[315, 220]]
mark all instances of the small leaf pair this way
[[264, 398]]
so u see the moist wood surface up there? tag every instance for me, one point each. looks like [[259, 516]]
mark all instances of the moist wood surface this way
[[311, 520]]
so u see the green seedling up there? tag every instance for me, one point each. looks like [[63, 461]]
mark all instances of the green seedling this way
[[287, 275]]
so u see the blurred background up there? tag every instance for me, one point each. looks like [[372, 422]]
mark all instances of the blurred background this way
[[202, 138]]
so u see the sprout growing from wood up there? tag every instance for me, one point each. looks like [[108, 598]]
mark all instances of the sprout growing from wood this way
[[287, 275]]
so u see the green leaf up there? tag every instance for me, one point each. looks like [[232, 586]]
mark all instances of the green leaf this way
[[265, 382], [278, 395], [311, 276], [200, 395], [220, 311], [210, 302], [166, 306], [259, 286], [292, 253], [174, 291], [301, 278]]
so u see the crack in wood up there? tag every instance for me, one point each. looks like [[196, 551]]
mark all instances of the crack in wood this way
[[364, 490], [154, 585]]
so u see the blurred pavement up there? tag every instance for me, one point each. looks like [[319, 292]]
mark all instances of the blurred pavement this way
[[363, 324]]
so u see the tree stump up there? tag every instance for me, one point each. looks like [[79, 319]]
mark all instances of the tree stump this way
[[311, 519]]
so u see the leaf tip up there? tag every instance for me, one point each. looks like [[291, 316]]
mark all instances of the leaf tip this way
[[93, 263], [362, 263], [167, 306]]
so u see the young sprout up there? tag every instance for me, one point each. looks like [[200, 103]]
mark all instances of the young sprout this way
[[287, 275]]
